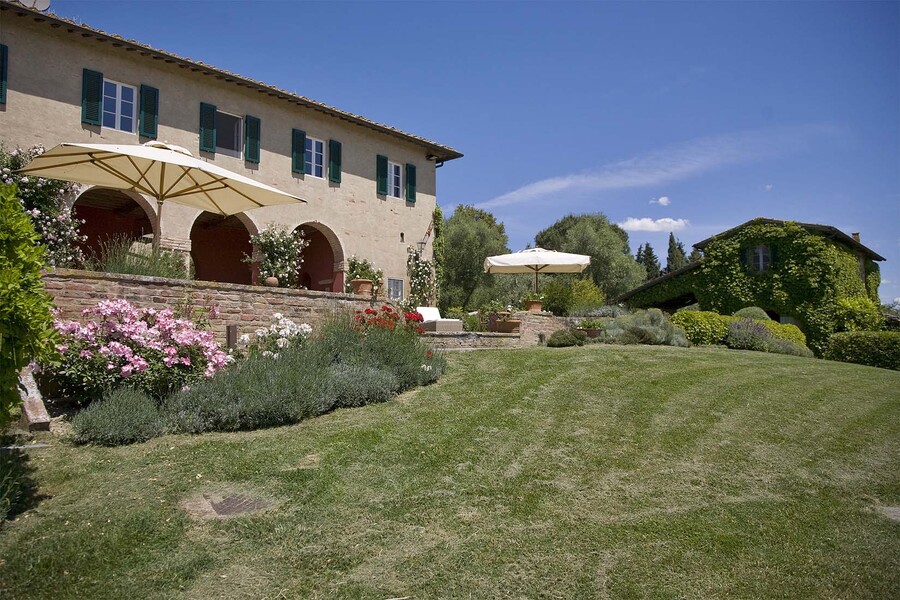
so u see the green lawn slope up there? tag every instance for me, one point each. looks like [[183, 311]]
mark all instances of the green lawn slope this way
[[619, 472]]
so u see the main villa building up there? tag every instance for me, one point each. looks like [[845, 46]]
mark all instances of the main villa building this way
[[370, 189]]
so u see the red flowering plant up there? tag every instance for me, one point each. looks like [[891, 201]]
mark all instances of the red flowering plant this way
[[387, 318]]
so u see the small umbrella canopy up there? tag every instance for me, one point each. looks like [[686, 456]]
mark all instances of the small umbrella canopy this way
[[537, 260], [166, 172]]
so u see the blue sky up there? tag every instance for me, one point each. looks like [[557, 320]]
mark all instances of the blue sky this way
[[687, 116]]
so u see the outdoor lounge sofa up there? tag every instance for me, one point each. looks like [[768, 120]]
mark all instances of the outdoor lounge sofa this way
[[433, 321]]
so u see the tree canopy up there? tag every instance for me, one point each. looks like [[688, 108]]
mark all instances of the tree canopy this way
[[470, 236], [612, 267]]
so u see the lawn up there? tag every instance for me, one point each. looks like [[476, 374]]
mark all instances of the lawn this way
[[622, 472]]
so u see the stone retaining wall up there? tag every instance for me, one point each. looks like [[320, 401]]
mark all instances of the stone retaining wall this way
[[247, 306], [250, 307]]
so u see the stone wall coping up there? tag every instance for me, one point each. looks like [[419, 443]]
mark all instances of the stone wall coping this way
[[197, 285], [463, 334]]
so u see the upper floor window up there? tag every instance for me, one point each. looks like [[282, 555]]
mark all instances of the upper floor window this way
[[395, 289], [229, 134], [119, 106], [315, 157], [395, 179], [760, 258]]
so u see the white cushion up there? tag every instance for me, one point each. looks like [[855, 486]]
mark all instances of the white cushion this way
[[429, 313]]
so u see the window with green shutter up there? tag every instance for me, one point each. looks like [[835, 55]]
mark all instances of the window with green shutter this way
[[410, 182], [334, 161], [381, 175], [91, 97], [251, 147], [148, 120], [4, 72], [298, 151], [207, 127]]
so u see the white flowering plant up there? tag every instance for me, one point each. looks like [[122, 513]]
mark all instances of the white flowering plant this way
[[421, 280], [268, 341], [44, 200], [280, 253]]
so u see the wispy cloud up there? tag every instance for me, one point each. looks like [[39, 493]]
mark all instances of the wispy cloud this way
[[670, 164], [662, 201], [647, 224]]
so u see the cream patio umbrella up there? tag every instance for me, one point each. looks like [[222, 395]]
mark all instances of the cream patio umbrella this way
[[166, 172], [537, 260]]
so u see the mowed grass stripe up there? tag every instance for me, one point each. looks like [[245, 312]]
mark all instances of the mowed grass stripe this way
[[584, 472]]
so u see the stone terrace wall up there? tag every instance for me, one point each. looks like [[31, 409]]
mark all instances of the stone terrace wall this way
[[249, 307], [470, 340], [536, 323]]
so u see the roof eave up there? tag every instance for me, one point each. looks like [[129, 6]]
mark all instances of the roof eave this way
[[440, 152]]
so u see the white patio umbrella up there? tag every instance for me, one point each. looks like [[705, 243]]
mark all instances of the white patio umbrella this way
[[166, 172], [537, 260]]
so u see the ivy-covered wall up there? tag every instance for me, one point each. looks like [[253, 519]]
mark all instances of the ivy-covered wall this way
[[808, 277]]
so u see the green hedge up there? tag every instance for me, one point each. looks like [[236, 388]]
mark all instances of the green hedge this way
[[785, 331], [26, 325], [753, 312], [702, 327], [873, 348], [706, 328]]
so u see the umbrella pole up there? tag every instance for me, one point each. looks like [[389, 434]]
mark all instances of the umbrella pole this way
[[535, 281], [157, 234]]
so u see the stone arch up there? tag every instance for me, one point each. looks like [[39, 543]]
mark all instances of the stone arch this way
[[218, 247], [323, 259], [110, 213]]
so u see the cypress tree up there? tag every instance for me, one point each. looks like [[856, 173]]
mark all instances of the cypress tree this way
[[651, 262], [676, 257]]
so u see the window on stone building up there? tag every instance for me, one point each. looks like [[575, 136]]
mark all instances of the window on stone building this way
[[315, 157], [119, 101], [395, 289]]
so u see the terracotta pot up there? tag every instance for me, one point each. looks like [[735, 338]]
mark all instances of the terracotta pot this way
[[361, 287], [271, 281], [508, 326], [591, 332], [533, 305]]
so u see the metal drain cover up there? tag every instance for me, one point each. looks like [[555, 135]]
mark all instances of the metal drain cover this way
[[236, 504], [224, 505]]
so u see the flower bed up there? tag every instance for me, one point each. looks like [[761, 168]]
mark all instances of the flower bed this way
[[149, 349]]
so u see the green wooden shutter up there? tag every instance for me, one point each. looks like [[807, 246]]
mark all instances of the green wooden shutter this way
[[149, 115], [207, 127], [91, 97], [334, 161], [298, 151], [381, 168], [773, 257], [252, 132], [410, 182], [745, 258], [4, 72]]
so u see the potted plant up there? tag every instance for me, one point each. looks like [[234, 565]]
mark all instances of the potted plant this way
[[279, 253], [591, 327], [363, 278], [532, 302], [498, 318]]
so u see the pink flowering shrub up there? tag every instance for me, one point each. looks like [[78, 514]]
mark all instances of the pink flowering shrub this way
[[141, 347]]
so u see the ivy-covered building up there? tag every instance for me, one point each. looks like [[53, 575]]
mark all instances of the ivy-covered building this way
[[814, 276]]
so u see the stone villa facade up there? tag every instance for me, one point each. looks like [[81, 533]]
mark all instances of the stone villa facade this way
[[370, 189]]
